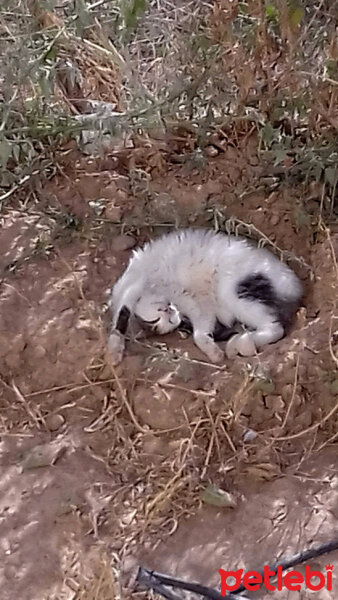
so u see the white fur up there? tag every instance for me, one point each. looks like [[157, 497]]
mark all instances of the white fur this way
[[196, 273]]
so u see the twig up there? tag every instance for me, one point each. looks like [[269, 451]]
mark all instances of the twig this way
[[229, 440], [23, 401], [125, 400], [287, 414], [233, 223], [15, 188], [333, 356], [308, 429], [211, 443], [174, 480]]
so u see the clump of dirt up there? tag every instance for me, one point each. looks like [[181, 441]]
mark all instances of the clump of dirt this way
[[140, 441]]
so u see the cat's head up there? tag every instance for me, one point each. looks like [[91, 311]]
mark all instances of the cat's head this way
[[157, 314]]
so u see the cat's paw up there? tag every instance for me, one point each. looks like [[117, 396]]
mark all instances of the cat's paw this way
[[215, 355], [241, 343], [116, 346]]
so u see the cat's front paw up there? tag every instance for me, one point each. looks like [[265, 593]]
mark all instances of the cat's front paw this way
[[116, 346], [204, 341], [241, 343], [215, 355]]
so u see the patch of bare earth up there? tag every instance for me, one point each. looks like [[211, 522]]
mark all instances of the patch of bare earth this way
[[97, 464]]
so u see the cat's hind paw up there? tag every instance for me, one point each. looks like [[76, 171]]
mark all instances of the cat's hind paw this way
[[242, 343]]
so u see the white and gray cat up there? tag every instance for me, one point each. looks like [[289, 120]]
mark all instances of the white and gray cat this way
[[210, 281]]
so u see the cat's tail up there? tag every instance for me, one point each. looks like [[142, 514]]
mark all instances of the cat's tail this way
[[289, 292], [276, 286]]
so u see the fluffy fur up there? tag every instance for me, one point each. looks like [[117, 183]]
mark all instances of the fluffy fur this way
[[208, 279]]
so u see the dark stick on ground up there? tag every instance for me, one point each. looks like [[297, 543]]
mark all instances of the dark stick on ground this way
[[158, 581]]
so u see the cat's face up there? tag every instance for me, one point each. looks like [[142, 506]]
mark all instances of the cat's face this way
[[157, 314]]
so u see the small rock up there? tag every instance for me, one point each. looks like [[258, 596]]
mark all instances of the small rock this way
[[217, 497], [163, 207], [106, 373], [97, 206], [107, 163], [122, 196], [214, 138], [113, 213], [110, 190], [43, 455], [39, 351], [211, 151], [249, 435], [269, 181], [274, 403], [18, 343], [122, 183], [274, 219], [54, 422], [265, 386], [286, 392], [12, 360], [123, 242], [273, 197], [315, 190]]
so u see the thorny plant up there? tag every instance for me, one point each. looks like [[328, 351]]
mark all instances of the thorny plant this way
[[99, 71]]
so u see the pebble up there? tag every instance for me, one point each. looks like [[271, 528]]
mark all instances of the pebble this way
[[54, 422], [123, 242], [275, 403], [286, 392], [113, 212], [12, 360], [18, 343], [269, 181], [39, 351], [122, 196], [249, 435], [211, 151], [122, 183]]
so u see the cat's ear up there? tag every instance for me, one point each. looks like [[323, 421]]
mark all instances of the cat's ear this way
[[122, 320]]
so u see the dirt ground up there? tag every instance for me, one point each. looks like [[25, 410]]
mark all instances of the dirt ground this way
[[98, 466]]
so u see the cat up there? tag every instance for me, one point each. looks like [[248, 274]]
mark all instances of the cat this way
[[210, 282]]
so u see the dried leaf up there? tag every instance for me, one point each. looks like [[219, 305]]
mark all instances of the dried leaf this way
[[271, 12], [331, 175], [217, 497], [333, 386], [263, 471], [268, 134], [133, 11], [295, 16], [5, 151], [264, 386], [280, 154], [43, 455]]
